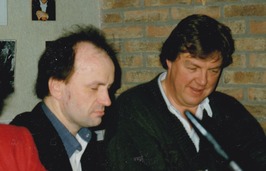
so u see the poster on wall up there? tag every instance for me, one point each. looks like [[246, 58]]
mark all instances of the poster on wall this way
[[3, 12], [7, 62], [43, 10]]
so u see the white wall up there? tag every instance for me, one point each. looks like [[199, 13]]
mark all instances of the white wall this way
[[30, 39]]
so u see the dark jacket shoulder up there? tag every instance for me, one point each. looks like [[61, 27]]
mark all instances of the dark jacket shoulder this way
[[50, 146]]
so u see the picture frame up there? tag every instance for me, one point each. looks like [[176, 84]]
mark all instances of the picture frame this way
[[7, 60], [43, 10], [3, 12]]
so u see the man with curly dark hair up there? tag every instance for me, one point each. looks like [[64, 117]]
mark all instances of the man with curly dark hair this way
[[153, 132]]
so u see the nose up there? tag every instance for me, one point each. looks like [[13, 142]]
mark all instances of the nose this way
[[104, 98], [202, 78]]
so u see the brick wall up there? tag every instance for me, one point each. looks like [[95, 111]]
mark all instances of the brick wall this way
[[138, 28]]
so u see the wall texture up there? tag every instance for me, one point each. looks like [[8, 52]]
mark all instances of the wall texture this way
[[30, 39], [138, 28]]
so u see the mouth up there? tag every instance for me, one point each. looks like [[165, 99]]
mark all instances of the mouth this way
[[197, 90], [99, 113]]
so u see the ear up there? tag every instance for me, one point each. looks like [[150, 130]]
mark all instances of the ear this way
[[55, 87], [169, 64]]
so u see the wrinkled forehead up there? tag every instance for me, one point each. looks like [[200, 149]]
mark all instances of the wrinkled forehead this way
[[215, 56], [211, 59]]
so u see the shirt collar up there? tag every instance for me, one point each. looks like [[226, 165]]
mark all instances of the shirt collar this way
[[70, 142], [43, 6], [203, 105]]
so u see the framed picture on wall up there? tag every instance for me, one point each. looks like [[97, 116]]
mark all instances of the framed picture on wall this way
[[3, 12], [7, 60], [43, 10]]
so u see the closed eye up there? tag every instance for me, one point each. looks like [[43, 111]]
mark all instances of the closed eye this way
[[216, 70], [94, 89], [192, 68]]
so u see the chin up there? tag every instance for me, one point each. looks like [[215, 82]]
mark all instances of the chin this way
[[97, 122]]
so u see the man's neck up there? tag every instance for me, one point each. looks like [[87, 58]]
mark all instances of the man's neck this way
[[55, 108]]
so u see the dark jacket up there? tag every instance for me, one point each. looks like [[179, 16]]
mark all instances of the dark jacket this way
[[149, 137], [50, 146]]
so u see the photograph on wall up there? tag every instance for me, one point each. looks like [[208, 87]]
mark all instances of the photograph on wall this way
[[7, 61], [43, 10], [3, 12]]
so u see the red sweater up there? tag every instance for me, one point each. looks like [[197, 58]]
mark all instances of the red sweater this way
[[17, 150]]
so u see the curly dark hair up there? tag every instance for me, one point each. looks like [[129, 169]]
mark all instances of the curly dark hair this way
[[198, 35], [57, 61]]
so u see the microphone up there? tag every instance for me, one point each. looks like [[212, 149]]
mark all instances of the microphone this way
[[196, 124]]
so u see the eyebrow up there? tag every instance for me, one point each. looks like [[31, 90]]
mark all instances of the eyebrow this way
[[98, 83]]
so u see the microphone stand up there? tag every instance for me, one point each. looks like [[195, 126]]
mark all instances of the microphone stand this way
[[196, 124]]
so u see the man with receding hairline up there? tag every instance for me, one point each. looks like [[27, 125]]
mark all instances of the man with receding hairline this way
[[75, 74]]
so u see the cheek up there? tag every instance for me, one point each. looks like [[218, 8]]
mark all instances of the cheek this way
[[67, 103], [74, 97], [185, 78], [87, 98], [68, 96], [179, 73]]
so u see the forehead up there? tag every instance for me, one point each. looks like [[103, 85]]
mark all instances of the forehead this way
[[214, 57], [85, 47], [89, 58], [85, 51]]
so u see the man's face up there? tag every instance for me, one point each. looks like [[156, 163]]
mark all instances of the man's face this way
[[44, 1], [85, 95], [190, 80]]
